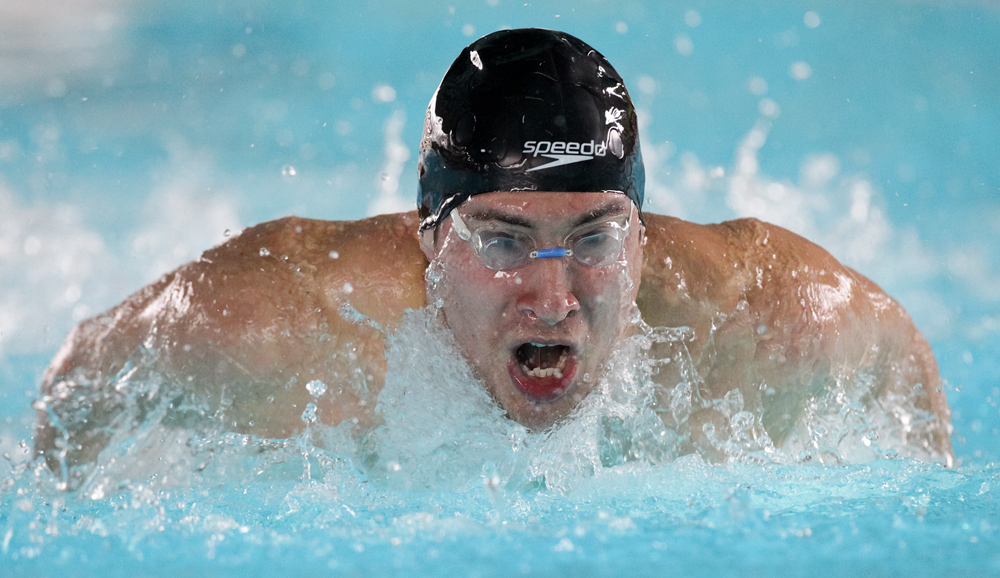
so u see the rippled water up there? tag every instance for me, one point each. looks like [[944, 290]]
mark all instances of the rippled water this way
[[135, 134]]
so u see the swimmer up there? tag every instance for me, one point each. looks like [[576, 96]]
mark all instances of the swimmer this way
[[531, 240]]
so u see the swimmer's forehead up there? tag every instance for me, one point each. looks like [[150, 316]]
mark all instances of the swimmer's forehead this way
[[530, 212]]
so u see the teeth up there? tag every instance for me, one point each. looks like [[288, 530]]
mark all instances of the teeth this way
[[539, 372], [550, 371]]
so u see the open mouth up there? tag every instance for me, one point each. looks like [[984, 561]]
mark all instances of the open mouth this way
[[543, 371]]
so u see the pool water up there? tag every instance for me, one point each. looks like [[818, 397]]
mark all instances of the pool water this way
[[135, 134]]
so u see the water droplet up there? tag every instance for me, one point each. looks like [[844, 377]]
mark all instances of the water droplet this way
[[309, 415], [383, 93], [334, 255], [264, 252], [316, 388], [800, 70], [288, 171], [226, 233]]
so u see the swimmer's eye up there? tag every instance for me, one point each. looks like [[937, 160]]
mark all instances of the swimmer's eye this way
[[500, 250], [600, 246], [597, 248]]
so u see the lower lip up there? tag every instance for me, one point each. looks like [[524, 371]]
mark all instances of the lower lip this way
[[542, 389]]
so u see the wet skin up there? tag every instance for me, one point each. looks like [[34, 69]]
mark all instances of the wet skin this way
[[556, 301], [248, 330]]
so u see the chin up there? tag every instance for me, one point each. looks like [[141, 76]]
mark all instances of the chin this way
[[540, 414]]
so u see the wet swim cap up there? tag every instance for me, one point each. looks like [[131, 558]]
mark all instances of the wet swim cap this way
[[527, 110]]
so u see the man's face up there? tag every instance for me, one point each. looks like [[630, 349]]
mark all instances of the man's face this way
[[539, 335]]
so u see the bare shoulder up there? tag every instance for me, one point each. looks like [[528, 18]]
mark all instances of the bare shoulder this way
[[769, 306], [247, 326], [259, 296], [271, 277], [373, 264], [272, 304], [683, 276], [748, 260]]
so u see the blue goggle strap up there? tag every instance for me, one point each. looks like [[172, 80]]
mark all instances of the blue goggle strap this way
[[553, 253]]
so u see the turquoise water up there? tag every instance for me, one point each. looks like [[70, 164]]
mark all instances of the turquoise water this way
[[133, 135]]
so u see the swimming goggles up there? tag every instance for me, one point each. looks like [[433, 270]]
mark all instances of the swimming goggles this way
[[501, 247]]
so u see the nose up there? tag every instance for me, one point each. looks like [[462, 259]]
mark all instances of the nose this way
[[548, 292]]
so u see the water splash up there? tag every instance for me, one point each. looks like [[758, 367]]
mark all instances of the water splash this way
[[445, 465], [440, 429]]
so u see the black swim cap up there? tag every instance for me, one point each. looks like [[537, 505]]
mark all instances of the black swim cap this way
[[527, 110]]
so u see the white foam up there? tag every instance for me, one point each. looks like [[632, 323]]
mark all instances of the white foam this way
[[57, 269], [53, 271], [183, 216]]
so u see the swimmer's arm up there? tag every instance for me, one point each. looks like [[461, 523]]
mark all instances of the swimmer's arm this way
[[248, 325], [78, 396], [204, 328], [805, 317], [815, 321]]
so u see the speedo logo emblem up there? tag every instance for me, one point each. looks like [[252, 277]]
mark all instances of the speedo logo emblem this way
[[563, 153]]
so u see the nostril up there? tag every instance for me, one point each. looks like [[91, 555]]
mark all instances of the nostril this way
[[550, 308]]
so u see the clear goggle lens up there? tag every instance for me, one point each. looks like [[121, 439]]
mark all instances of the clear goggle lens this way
[[501, 248]]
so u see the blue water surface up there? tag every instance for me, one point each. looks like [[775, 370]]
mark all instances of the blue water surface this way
[[136, 133]]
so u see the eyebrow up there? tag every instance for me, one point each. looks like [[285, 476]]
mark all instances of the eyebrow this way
[[600, 212], [492, 214], [499, 215]]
